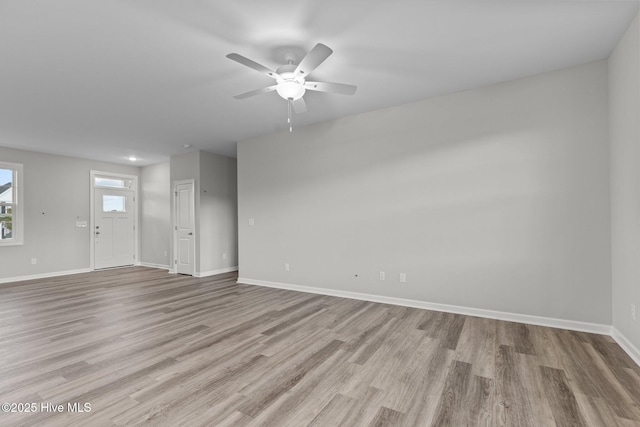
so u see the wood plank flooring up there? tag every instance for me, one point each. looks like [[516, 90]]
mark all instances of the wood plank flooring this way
[[144, 347]]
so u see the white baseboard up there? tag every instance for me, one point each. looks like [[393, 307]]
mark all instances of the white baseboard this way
[[153, 265], [43, 275], [626, 345], [469, 311], [214, 272]]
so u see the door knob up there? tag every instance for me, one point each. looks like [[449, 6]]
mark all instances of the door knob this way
[[190, 234], [97, 232]]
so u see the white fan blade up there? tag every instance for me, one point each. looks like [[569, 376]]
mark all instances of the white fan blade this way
[[252, 64], [299, 106], [340, 88], [256, 92], [315, 57]]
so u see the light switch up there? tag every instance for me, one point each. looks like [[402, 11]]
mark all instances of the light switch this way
[[252, 221], [81, 224]]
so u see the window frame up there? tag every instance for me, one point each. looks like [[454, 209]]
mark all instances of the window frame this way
[[127, 183], [17, 208]]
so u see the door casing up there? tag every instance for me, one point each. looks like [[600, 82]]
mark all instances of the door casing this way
[[136, 235], [176, 231]]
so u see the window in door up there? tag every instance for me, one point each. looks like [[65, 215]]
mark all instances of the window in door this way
[[111, 203]]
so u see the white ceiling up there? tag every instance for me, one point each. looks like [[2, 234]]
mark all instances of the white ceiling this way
[[106, 79]]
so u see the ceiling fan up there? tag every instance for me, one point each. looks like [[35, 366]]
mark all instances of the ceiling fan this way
[[291, 79]]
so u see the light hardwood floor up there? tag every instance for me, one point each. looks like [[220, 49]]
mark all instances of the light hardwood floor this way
[[145, 347]]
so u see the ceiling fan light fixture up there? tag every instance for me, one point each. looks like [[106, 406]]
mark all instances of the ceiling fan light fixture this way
[[290, 90]]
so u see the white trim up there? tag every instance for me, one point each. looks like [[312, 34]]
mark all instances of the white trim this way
[[136, 219], [17, 204], [174, 228], [469, 311], [43, 275], [153, 265], [626, 345], [214, 272]]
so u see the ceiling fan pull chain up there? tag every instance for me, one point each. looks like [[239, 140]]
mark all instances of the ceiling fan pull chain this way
[[289, 115]]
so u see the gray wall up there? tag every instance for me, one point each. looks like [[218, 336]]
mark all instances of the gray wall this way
[[187, 166], [56, 194], [218, 237], [495, 198], [215, 207], [155, 215], [624, 98]]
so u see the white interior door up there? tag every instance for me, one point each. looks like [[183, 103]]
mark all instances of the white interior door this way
[[184, 228], [114, 228]]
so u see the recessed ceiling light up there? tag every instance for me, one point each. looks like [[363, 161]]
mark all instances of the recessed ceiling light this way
[[132, 158], [187, 145]]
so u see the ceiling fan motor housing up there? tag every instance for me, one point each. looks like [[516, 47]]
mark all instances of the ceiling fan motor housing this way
[[289, 87]]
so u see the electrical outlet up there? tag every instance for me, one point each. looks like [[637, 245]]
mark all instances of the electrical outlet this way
[[633, 312], [286, 267], [382, 275], [224, 255], [403, 277], [34, 260], [165, 253]]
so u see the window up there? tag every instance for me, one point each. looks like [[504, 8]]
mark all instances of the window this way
[[101, 181], [10, 204], [113, 203]]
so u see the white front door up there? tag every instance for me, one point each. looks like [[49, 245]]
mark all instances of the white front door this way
[[184, 220], [114, 228]]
